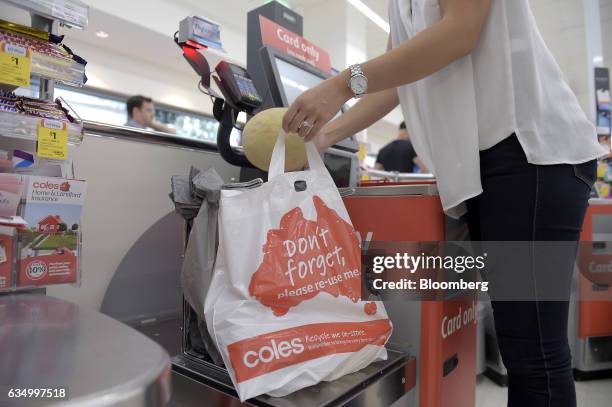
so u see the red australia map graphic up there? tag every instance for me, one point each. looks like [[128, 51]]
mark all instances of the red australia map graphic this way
[[303, 258]]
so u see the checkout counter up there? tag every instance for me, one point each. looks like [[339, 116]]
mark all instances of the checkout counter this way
[[146, 258], [426, 367]]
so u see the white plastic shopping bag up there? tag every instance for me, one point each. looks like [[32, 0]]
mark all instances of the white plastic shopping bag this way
[[284, 304]]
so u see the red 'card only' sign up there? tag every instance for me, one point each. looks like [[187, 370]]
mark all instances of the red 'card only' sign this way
[[292, 44]]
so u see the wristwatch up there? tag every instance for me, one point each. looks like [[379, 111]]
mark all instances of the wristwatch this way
[[358, 81]]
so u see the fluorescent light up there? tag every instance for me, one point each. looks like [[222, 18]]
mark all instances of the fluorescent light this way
[[283, 2], [598, 59], [369, 13], [101, 34]]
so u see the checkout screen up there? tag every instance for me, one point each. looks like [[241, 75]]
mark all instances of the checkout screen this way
[[295, 80]]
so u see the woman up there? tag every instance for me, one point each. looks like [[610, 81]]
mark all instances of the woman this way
[[491, 116]]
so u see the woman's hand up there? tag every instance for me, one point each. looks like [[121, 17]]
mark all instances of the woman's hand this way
[[314, 108], [322, 140]]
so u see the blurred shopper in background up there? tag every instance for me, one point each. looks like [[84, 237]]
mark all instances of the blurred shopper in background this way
[[492, 117], [399, 155], [141, 115]]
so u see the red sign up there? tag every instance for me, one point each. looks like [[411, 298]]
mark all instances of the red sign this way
[[292, 44], [57, 267]]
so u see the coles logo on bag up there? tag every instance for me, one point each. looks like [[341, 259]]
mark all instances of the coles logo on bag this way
[[303, 258], [266, 353], [273, 351]]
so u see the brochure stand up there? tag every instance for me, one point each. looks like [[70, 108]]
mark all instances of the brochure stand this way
[[35, 164]]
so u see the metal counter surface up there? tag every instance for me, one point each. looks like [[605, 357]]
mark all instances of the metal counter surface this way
[[147, 136], [600, 201], [380, 384], [48, 342]]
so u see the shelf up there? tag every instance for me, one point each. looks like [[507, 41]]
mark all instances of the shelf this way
[[72, 13], [25, 127], [49, 61], [66, 71]]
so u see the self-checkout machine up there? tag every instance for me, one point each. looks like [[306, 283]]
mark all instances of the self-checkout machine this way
[[591, 306], [198, 376], [283, 64], [441, 333]]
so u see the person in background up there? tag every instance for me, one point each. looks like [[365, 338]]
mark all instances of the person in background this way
[[141, 114], [399, 155]]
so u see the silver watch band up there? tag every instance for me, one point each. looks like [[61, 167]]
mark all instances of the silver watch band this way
[[355, 70]]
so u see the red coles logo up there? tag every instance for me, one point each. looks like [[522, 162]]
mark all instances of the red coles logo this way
[[64, 186]]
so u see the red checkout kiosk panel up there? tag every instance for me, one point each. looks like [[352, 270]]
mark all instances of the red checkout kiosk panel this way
[[591, 329], [445, 350]]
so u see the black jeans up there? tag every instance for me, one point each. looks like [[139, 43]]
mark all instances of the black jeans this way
[[526, 202]]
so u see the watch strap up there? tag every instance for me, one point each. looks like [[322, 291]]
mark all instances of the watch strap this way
[[355, 70]]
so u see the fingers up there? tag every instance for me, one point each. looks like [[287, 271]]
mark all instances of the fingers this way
[[290, 115], [315, 130], [306, 127], [296, 125]]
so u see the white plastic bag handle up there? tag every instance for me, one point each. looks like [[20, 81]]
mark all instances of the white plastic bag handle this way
[[277, 162]]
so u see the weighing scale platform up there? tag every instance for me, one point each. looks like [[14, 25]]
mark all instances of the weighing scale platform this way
[[198, 383]]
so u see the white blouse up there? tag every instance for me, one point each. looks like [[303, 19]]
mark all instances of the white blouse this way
[[509, 84]]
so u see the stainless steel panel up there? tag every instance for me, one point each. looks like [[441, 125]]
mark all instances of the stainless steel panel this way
[[188, 392], [600, 201], [594, 353], [400, 176], [391, 190], [47, 342], [145, 136], [380, 384]]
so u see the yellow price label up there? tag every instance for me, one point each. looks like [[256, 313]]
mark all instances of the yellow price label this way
[[52, 139], [601, 169], [14, 65], [363, 151]]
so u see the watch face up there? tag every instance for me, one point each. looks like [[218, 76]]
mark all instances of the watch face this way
[[359, 84]]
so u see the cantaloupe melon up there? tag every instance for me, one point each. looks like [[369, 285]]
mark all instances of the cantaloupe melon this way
[[260, 134]]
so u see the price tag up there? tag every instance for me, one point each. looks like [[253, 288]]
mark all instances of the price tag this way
[[363, 152], [52, 139], [14, 65]]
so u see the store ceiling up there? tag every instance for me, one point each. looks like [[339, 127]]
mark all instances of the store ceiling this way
[[231, 15], [146, 45]]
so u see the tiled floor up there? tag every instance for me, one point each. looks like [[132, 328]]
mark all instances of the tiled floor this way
[[595, 393]]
